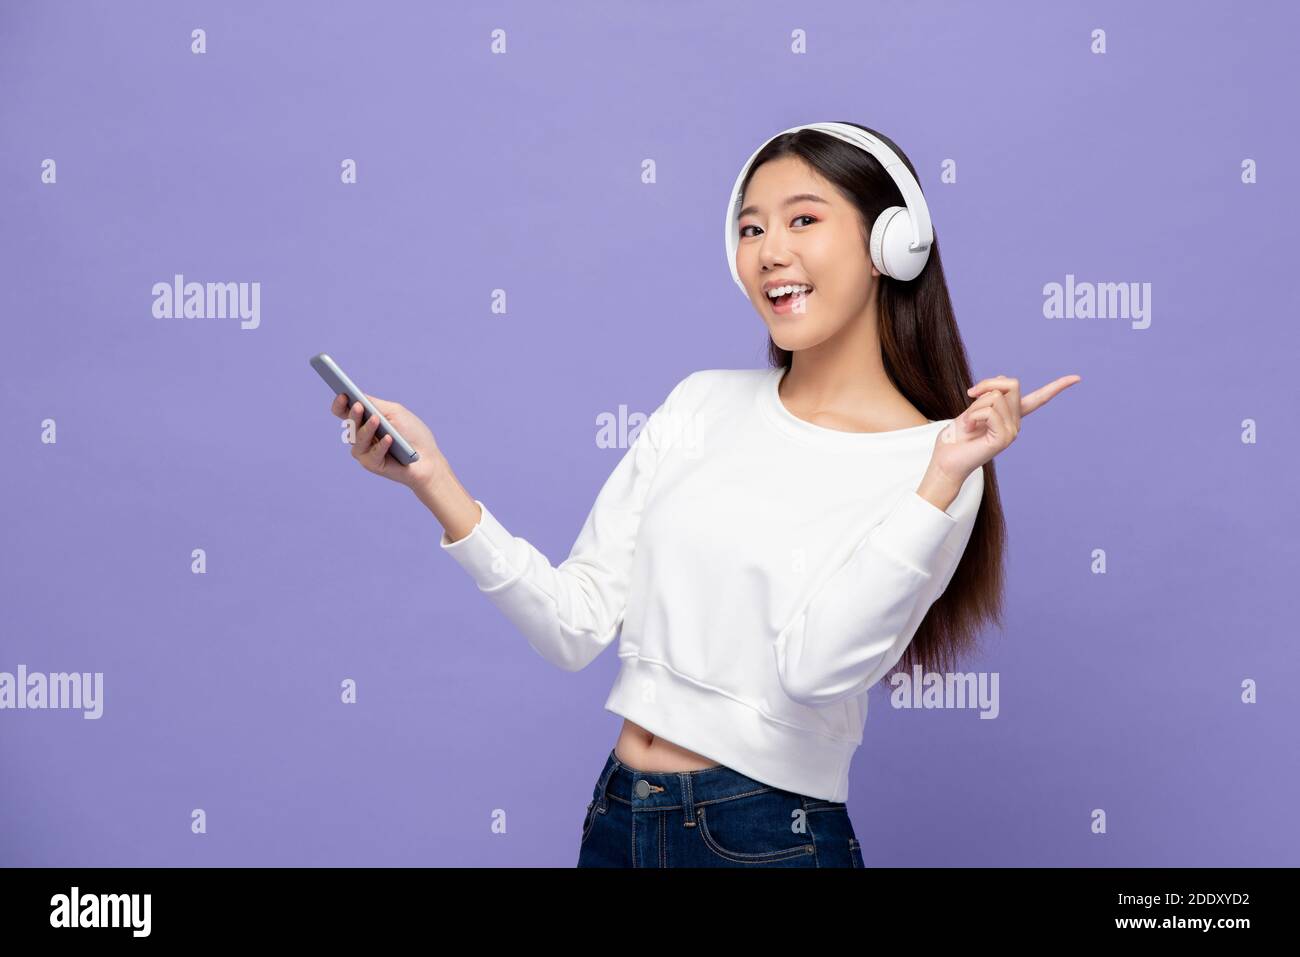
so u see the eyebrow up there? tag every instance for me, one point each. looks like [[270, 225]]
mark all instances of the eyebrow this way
[[798, 198]]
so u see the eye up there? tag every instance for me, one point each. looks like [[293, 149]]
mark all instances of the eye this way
[[796, 219]]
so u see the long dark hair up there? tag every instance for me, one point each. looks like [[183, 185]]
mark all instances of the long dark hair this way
[[925, 359]]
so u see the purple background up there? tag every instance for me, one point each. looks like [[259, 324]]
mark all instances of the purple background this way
[[522, 172]]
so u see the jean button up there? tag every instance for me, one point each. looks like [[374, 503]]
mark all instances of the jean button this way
[[643, 788]]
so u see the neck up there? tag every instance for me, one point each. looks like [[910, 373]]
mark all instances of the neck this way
[[844, 374]]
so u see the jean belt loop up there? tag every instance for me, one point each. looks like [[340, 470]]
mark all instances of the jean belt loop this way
[[602, 801], [688, 800]]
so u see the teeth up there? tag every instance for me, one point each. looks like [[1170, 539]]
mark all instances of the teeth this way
[[783, 290]]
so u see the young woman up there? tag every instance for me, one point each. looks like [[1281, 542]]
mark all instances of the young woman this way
[[775, 541]]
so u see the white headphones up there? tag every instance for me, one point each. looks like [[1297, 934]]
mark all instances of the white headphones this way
[[900, 238]]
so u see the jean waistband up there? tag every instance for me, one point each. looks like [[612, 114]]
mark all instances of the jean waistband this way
[[647, 790]]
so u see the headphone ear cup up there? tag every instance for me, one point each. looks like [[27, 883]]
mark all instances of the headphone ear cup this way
[[891, 237]]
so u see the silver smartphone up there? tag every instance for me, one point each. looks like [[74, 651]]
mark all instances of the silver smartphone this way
[[337, 379]]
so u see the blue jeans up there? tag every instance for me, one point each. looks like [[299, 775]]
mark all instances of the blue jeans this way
[[711, 818]]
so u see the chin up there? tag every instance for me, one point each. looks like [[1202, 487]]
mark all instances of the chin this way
[[795, 339]]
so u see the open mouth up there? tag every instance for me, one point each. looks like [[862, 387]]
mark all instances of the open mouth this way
[[786, 303]]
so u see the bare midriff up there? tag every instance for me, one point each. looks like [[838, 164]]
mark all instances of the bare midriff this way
[[642, 751]]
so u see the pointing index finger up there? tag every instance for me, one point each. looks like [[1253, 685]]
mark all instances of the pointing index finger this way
[[1040, 397]]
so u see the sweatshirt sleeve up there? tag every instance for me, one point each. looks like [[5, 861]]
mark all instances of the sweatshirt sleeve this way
[[858, 623], [571, 612]]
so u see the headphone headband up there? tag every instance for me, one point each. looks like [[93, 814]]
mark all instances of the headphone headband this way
[[900, 238]]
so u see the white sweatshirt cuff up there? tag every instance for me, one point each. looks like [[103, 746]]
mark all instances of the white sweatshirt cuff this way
[[484, 551], [914, 532]]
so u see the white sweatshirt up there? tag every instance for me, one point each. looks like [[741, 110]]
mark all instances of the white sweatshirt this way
[[760, 572]]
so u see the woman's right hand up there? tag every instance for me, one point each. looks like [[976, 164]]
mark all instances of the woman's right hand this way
[[373, 455]]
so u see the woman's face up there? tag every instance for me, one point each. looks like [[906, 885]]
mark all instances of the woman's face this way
[[819, 242]]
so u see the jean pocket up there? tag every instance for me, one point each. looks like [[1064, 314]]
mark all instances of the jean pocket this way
[[756, 829]]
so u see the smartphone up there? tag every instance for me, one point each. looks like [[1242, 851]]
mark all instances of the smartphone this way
[[337, 379]]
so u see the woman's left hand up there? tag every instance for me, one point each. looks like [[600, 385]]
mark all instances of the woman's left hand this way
[[990, 424]]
